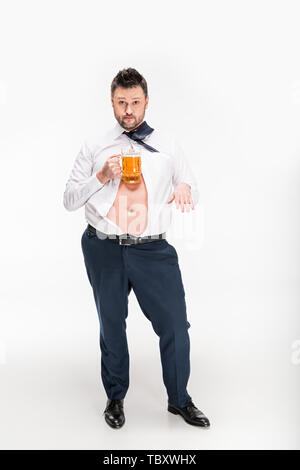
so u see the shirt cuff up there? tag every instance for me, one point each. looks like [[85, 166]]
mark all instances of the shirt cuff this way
[[95, 183]]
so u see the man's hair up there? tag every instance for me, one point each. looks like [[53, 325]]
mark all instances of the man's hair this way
[[129, 78]]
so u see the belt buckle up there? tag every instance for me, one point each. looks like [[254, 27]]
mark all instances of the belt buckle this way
[[130, 241], [124, 241]]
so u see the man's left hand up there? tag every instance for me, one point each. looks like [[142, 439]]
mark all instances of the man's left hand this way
[[182, 196]]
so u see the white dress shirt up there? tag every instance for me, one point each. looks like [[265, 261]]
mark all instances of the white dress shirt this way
[[162, 171]]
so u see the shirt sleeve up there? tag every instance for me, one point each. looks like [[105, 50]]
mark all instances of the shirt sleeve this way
[[182, 172], [81, 183]]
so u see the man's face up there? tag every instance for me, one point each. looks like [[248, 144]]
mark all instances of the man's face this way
[[129, 105]]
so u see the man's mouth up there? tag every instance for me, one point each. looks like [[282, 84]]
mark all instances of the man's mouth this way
[[128, 117]]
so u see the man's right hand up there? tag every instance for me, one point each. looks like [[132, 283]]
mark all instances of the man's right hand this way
[[110, 170]]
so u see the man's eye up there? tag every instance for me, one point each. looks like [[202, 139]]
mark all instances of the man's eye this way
[[121, 102]]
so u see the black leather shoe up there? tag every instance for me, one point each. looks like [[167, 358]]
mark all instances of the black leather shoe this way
[[190, 414], [114, 413]]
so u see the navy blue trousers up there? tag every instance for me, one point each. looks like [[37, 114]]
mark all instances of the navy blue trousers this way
[[152, 271]]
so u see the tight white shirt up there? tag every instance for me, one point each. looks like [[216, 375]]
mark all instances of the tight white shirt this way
[[162, 171]]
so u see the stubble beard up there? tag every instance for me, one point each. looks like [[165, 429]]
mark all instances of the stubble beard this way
[[131, 124]]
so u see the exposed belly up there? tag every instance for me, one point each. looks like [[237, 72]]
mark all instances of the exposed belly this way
[[130, 208]]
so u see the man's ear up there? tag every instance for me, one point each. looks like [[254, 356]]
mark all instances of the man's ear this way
[[112, 101], [147, 101]]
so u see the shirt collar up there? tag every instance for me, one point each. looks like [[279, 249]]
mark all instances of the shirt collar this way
[[114, 133], [118, 130]]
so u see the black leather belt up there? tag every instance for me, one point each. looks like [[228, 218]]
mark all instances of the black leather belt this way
[[127, 239]]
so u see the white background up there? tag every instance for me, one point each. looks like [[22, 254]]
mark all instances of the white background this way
[[226, 77]]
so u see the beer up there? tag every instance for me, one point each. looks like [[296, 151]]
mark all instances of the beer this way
[[131, 166]]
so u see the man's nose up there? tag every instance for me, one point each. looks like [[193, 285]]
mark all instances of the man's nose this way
[[128, 110]]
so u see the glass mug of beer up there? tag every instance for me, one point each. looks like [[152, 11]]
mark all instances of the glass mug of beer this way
[[131, 164]]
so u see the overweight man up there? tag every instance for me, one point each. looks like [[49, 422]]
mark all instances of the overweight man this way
[[125, 247]]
